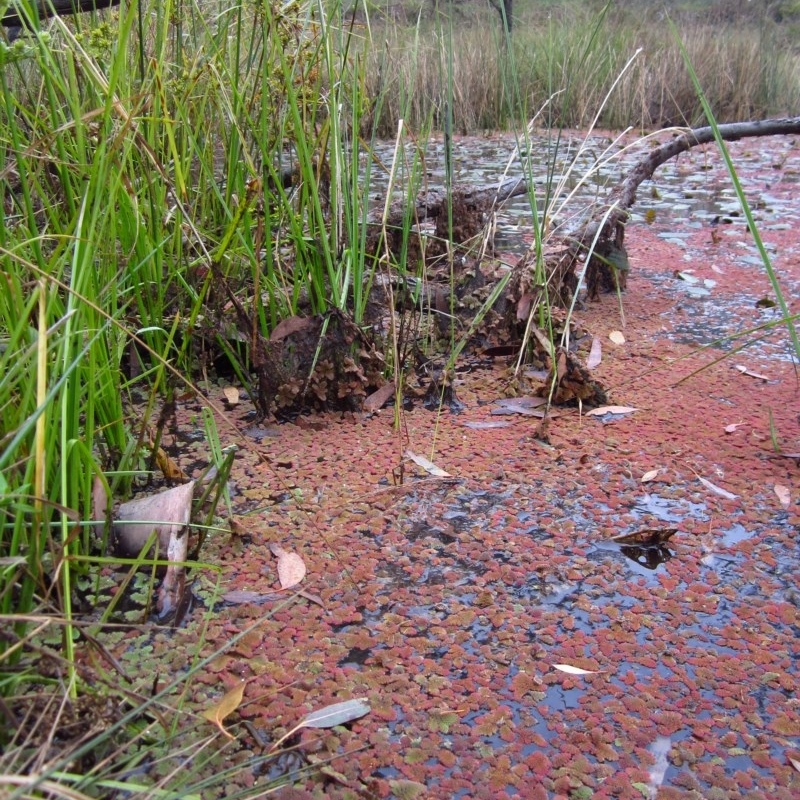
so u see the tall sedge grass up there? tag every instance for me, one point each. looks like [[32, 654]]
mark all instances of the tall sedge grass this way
[[749, 69]]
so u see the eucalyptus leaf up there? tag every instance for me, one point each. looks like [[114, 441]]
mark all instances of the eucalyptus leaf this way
[[337, 714], [329, 717]]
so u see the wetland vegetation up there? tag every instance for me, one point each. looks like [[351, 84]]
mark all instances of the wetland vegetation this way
[[184, 186]]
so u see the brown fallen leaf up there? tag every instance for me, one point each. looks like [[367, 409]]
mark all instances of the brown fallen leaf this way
[[647, 537], [379, 398], [291, 568], [224, 707], [288, 326], [170, 470]]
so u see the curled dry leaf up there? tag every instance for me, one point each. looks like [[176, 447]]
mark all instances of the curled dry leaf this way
[[224, 707], [291, 568], [784, 495], [617, 337], [750, 374], [166, 513], [795, 763], [169, 468]]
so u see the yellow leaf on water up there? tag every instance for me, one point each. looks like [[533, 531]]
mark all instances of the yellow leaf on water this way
[[226, 705], [617, 337]]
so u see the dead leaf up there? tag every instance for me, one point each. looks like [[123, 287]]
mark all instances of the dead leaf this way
[[595, 354], [717, 269], [99, 500], [651, 475], [750, 374], [164, 513], [733, 427], [617, 337], [428, 466], [598, 412], [570, 670], [379, 398], [231, 395], [288, 326], [718, 489], [330, 716], [227, 704], [784, 495], [239, 597], [405, 789], [685, 276], [169, 469], [794, 762], [171, 600], [647, 537], [512, 408], [291, 568], [526, 401], [480, 425]]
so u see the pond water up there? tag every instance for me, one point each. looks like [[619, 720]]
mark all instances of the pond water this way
[[572, 174], [507, 647]]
